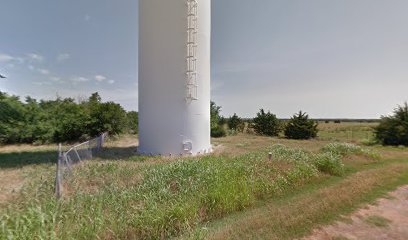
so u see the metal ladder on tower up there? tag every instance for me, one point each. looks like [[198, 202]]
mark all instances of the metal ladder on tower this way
[[191, 59]]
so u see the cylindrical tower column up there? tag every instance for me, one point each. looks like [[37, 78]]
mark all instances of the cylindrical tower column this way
[[174, 77]]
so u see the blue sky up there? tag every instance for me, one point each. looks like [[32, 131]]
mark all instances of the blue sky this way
[[338, 58]]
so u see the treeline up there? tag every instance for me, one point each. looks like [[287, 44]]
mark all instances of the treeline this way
[[299, 126], [61, 120], [392, 130]]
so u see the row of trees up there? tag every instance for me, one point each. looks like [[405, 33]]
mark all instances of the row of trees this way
[[64, 119], [298, 127], [61, 120], [265, 123], [392, 130]]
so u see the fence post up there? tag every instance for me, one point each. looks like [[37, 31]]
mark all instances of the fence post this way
[[100, 140], [58, 175], [76, 152], [90, 150]]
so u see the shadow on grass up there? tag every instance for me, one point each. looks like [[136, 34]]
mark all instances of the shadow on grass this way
[[117, 153], [21, 159]]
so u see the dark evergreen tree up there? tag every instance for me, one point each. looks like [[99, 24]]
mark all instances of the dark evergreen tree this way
[[393, 130], [301, 127], [266, 124]]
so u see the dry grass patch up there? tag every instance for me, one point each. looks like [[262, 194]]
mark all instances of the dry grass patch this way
[[358, 160], [244, 143], [340, 238], [26, 148], [346, 131], [11, 183]]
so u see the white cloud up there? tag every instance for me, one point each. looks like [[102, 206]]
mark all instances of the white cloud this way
[[5, 58], [87, 17], [111, 81], [62, 57], [100, 78], [80, 79], [41, 83], [35, 57], [44, 71], [31, 67], [55, 79]]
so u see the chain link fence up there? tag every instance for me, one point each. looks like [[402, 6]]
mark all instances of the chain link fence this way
[[75, 155]]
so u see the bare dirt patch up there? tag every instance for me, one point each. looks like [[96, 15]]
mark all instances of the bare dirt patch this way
[[11, 183], [392, 211]]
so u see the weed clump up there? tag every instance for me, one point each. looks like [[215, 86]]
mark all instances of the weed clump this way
[[327, 161], [330, 163], [346, 149]]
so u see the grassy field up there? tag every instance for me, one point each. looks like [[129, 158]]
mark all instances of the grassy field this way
[[235, 193], [357, 132]]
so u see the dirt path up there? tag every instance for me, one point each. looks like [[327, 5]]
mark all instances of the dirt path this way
[[387, 219]]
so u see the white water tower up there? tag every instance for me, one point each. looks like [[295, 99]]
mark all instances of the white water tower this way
[[174, 77]]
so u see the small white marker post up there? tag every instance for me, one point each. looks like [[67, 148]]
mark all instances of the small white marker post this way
[[270, 156]]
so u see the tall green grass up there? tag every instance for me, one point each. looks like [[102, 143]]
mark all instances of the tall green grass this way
[[169, 199]]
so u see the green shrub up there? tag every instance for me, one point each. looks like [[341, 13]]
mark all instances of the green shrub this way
[[281, 152], [232, 132], [106, 117], [369, 142], [215, 114], [218, 132], [222, 121], [329, 163], [345, 149], [132, 118], [342, 149], [301, 127], [60, 120], [266, 124], [302, 171], [236, 123], [393, 130]]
